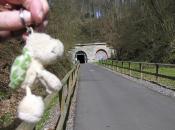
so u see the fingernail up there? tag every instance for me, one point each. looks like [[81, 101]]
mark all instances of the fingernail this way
[[27, 17]]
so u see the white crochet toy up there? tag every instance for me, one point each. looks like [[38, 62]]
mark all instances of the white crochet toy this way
[[31, 107], [40, 50]]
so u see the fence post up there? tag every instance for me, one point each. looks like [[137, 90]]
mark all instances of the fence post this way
[[117, 65], [112, 65], [141, 74], [108, 63], [157, 72], [129, 68], [122, 67]]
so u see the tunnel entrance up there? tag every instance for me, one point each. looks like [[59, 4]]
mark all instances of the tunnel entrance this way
[[101, 55], [81, 57]]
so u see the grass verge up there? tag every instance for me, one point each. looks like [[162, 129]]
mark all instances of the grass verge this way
[[168, 71], [47, 112]]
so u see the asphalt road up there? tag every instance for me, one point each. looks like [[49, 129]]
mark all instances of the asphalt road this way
[[107, 101]]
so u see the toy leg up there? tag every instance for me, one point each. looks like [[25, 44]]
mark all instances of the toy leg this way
[[49, 80]]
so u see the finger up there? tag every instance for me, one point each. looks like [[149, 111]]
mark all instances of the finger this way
[[34, 6], [41, 27], [16, 2], [24, 37], [45, 6], [10, 20], [5, 6], [4, 34], [36, 9], [2, 2]]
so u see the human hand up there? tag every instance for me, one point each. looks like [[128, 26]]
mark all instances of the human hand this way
[[34, 13]]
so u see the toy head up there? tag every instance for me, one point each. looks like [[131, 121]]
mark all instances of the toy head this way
[[44, 48]]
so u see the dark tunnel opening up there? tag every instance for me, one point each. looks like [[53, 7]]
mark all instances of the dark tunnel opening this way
[[81, 57]]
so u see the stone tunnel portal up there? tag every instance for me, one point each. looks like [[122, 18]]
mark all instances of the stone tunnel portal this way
[[101, 55], [81, 57]]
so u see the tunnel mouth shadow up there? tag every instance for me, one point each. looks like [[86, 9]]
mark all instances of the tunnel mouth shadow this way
[[81, 59], [81, 56]]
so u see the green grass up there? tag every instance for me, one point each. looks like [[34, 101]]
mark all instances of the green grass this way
[[4, 95], [6, 119], [47, 113], [168, 71]]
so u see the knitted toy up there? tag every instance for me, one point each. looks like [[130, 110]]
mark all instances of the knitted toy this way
[[28, 69], [31, 107]]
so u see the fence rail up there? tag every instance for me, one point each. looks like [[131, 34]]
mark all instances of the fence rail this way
[[158, 70], [65, 96]]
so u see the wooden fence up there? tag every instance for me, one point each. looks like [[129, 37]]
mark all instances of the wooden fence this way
[[65, 96], [158, 70]]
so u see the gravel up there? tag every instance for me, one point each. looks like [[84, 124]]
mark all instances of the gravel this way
[[72, 113], [53, 118]]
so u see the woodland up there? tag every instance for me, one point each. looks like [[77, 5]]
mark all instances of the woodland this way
[[138, 30]]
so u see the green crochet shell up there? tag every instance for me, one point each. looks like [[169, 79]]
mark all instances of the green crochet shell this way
[[19, 69]]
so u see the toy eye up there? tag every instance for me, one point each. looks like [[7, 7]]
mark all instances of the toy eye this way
[[53, 51]]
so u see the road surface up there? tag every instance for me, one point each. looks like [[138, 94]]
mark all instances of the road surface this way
[[107, 101]]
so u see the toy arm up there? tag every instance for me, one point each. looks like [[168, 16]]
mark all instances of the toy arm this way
[[49, 80]]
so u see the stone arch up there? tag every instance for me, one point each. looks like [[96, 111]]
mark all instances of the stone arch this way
[[101, 54], [81, 56]]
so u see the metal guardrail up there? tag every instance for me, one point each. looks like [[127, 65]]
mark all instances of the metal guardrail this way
[[65, 94], [141, 67]]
